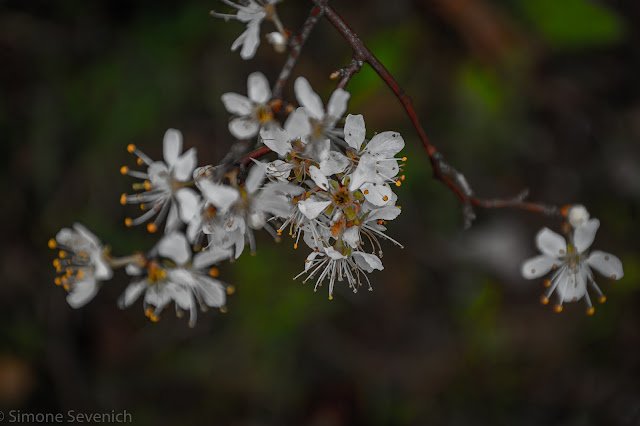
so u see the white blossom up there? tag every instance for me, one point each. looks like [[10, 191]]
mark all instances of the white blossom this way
[[81, 263], [176, 276], [572, 265], [253, 112], [165, 186], [252, 13]]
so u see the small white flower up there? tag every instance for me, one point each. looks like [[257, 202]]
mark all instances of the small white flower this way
[[572, 264], [278, 41], [81, 264], [176, 277], [252, 12], [166, 192], [251, 113], [350, 265]]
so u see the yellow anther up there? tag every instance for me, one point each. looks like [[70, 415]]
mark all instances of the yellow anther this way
[[544, 300], [128, 222], [403, 177], [57, 281], [124, 170], [295, 246], [52, 244], [230, 290], [546, 283], [154, 318], [131, 148], [223, 309], [80, 274], [279, 232], [557, 309], [139, 161], [68, 272], [147, 185], [143, 206], [591, 310], [66, 286], [404, 158], [62, 254], [331, 297], [214, 272], [56, 263], [148, 312], [366, 192], [152, 228], [602, 299], [123, 199], [398, 182], [385, 198]]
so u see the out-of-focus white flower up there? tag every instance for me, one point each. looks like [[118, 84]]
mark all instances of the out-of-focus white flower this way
[[165, 191], [251, 12], [577, 215], [81, 264], [572, 264], [346, 265], [253, 112], [174, 276]]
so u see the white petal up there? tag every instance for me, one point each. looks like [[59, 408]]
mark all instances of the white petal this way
[[221, 196], [210, 256], [102, 269], [255, 177], [212, 292], [578, 215], [249, 39], [81, 293], [173, 219], [333, 253], [312, 208], [309, 261], [244, 127], [87, 235], [308, 98], [386, 144], [184, 165], [607, 264], [384, 213], [159, 175], [258, 88], [180, 294], [354, 131], [335, 163], [365, 172], [572, 286], [131, 293], [174, 246], [172, 146], [318, 177], [378, 194], [237, 104], [584, 234], [297, 124], [367, 261], [352, 236], [188, 204], [538, 266], [277, 140], [550, 243], [337, 105]]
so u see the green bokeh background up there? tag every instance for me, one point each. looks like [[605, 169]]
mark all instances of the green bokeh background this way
[[537, 94]]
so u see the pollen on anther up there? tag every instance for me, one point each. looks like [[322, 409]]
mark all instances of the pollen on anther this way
[[230, 290], [214, 272], [544, 300], [404, 158], [57, 281], [557, 309], [147, 185], [602, 299], [52, 244], [223, 309], [366, 192], [139, 161], [124, 170], [295, 246], [62, 254], [591, 310], [331, 297], [128, 222], [398, 182], [131, 148], [385, 198], [152, 228], [123, 199], [546, 283]]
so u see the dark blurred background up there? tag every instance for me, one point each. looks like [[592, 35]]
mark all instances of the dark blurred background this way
[[537, 94]]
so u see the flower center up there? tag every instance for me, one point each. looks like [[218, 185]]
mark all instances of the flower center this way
[[155, 273]]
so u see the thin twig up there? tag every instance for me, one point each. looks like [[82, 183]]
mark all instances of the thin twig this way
[[295, 46]]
